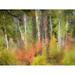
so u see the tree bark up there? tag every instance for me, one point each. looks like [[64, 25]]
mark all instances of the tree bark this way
[[5, 32], [25, 30], [37, 13], [59, 34]]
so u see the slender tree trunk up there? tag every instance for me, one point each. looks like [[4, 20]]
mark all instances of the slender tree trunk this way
[[39, 30], [37, 13], [22, 37], [46, 35], [59, 34], [6, 41], [5, 33], [51, 28], [45, 22], [19, 33], [25, 30]]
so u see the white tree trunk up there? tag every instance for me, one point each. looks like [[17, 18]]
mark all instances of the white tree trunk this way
[[20, 41], [25, 30], [59, 35], [22, 37], [37, 13], [18, 27], [5, 34], [6, 41]]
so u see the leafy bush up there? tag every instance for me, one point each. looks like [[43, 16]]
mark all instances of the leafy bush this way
[[54, 50], [7, 58], [39, 60], [69, 58]]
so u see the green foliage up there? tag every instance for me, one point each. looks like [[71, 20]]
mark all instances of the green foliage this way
[[29, 30], [39, 60], [53, 46], [69, 58], [7, 58], [12, 29], [1, 42]]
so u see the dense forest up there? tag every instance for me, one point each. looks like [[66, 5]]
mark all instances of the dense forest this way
[[37, 37]]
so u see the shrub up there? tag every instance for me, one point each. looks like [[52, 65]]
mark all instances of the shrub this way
[[7, 58], [39, 60], [69, 58]]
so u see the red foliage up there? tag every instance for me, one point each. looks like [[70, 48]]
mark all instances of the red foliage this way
[[32, 53], [23, 56]]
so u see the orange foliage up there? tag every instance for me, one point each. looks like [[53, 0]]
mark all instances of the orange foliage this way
[[28, 55], [23, 56]]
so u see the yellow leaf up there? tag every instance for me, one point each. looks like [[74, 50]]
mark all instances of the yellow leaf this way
[[53, 41]]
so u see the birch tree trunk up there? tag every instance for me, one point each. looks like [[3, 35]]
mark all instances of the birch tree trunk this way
[[39, 30], [19, 32], [6, 41], [59, 34], [37, 13], [25, 30], [5, 33]]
